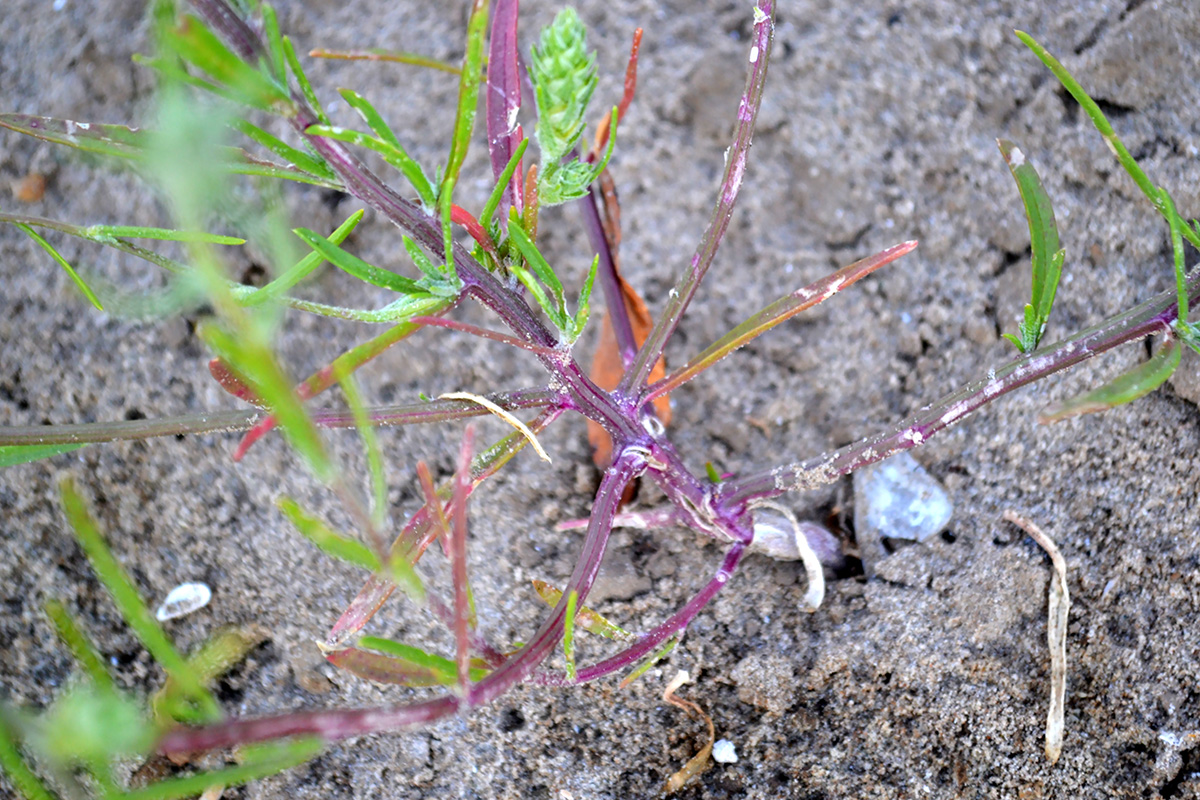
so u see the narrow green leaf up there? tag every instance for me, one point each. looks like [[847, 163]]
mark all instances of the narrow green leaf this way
[[1153, 193], [489, 209], [1125, 388], [274, 42], [120, 141], [24, 453], [304, 267], [79, 644], [13, 765], [192, 41], [129, 602], [329, 542], [302, 78], [216, 655], [1047, 255], [370, 441], [1186, 332], [586, 618], [584, 310], [422, 261], [253, 359], [262, 760], [382, 54], [569, 634], [106, 233], [649, 661], [355, 266], [396, 156], [62, 262], [444, 668], [516, 232], [297, 158]]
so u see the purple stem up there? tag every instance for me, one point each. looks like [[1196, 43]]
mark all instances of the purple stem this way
[[655, 638], [504, 99], [735, 168], [228, 421], [614, 298], [1156, 315], [334, 724]]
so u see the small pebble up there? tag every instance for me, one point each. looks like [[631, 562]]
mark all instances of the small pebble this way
[[182, 600], [896, 499], [724, 752]]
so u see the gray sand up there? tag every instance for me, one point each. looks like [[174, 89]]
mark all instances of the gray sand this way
[[930, 680]]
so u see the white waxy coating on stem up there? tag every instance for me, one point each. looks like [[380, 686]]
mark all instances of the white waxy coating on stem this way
[[754, 54], [183, 600]]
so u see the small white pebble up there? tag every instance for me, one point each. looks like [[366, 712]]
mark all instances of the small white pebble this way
[[724, 752], [182, 600]]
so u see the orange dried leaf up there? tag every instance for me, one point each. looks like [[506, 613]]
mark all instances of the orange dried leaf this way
[[607, 366]]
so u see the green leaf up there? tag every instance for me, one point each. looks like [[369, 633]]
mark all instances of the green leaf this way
[[329, 542], [106, 233], [1125, 388], [92, 726], [49, 248], [649, 661], [557, 312], [24, 453], [259, 762], [489, 209], [569, 633], [192, 41], [585, 302], [306, 88], [1047, 255], [274, 40], [392, 153], [297, 158], [585, 617], [355, 266], [1153, 193], [422, 261], [216, 656], [252, 358], [129, 602], [304, 267], [444, 669], [110, 140], [12, 764], [78, 643]]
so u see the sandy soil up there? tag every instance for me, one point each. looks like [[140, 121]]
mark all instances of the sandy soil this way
[[930, 680]]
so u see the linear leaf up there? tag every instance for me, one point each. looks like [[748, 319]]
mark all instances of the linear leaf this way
[[62, 262], [110, 140], [328, 541], [196, 44], [297, 158], [1047, 254], [585, 617], [1125, 388], [24, 453], [106, 233], [304, 267], [393, 154], [355, 266], [129, 602], [301, 78]]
